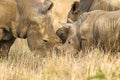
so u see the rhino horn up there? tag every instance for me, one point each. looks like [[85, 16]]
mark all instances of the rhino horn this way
[[75, 7], [70, 20], [66, 25]]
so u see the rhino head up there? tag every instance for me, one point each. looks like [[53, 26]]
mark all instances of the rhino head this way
[[40, 33], [27, 19], [69, 36]]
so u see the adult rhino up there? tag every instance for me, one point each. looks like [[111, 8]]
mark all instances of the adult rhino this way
[[79, 7], [26, 19], [94, 29]]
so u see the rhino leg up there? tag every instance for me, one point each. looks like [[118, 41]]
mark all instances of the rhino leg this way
[[5, 47]]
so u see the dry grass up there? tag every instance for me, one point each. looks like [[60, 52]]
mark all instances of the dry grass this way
[[93, 66], [22, 65]]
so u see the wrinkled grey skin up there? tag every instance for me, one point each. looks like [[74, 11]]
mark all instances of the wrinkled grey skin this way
[[95, 29], [101, 29], [26, 19], [79, 7]]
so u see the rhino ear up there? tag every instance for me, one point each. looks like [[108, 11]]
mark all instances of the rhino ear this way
[[75, 7], [47, 5]]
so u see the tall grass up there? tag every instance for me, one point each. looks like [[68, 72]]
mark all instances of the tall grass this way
[[92, 66]]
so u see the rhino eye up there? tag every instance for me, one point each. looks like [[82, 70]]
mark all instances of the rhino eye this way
[[45, 40], [69, 41]]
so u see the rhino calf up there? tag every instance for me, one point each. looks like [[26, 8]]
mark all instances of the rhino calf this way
[[95, 29]]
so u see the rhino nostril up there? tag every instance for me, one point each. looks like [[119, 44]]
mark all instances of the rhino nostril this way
[[69, 42]]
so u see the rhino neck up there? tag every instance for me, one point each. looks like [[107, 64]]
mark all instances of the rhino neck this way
[[19, 29], [22, 18], [19, 26]]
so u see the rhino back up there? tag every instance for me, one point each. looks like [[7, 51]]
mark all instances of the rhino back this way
[[8, 11], [7, 16], [107, 5]]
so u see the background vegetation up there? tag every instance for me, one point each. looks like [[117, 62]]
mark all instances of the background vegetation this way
[[92, 65]]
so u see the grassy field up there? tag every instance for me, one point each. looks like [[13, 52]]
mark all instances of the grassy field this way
[[92, 65]]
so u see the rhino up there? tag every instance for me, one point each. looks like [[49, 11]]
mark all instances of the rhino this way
[[63, 32], [82, 6], [70, 39], [79, 7], [29, 20], [95, 29]]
